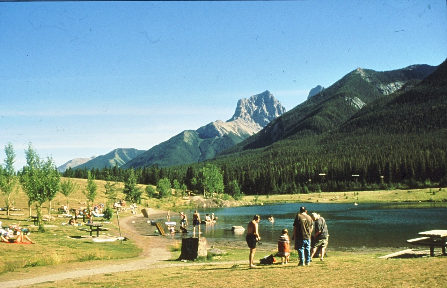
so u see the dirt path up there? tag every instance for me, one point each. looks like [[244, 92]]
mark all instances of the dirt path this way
[[154, 255], [134, 227]]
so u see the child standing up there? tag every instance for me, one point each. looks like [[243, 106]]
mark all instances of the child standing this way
[[284, 246]]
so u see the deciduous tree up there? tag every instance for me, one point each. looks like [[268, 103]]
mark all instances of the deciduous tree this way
[[8, 178], [164, 188], [67, 188], [40, 180], [90, 190], [211, 179], [132, 192]]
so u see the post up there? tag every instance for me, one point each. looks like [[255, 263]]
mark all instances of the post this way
[[193, 248], [119, 227]]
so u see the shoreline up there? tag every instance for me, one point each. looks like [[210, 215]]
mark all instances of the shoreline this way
[[145, 236]]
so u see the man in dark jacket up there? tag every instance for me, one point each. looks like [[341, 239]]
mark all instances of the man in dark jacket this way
[[302, 231]]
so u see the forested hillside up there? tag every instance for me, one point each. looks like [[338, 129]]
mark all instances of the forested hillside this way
[[332, 107], [396, 141]]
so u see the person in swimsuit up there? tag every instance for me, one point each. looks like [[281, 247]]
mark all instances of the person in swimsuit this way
[[252, 238], [196, 222]]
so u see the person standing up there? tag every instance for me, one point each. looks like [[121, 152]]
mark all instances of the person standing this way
[[183, 220], [321, 236], [252, 238], [284, 246], [302, 231], [196, 222]]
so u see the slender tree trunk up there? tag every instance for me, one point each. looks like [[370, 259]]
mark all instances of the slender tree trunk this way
[[8, 206], [39, 218], [49, 212]]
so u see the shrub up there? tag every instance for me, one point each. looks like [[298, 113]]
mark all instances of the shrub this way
[[108, 213]]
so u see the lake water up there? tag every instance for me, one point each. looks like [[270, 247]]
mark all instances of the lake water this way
[[364, 225]]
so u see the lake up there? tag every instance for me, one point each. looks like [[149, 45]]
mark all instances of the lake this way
[[350, 226]]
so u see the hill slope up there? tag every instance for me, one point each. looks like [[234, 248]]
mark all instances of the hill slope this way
[[398, 139], [73, 163], [117, 157], [192, 146], [333, 106]]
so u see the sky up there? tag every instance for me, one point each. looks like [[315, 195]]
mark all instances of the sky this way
[[79, 79]]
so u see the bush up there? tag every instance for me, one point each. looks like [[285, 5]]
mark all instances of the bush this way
[[108, 213]]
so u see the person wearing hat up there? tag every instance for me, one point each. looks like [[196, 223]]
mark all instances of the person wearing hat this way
[[302, 231], [321, 236]]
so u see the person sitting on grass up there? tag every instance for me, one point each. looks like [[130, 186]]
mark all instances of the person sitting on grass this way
[[72, 221], [22, 238], [6, 236]]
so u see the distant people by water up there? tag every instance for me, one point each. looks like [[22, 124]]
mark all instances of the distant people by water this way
[[271, 219], [183, 220], [252, 238], [196, 222], [302, 231], [321, 236]]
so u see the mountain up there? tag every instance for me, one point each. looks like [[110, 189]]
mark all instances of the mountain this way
[[419, 109], [73, 163], [192, 146], [396, 140], [315, 91], [332, 107], [117, 157]]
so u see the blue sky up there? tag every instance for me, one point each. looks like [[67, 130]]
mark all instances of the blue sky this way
[[79, 79]]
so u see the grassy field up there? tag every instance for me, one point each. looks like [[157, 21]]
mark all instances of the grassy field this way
[[383, 196], [55, 250], [341, 269]]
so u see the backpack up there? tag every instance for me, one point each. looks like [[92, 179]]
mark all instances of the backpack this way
[[268, 259]]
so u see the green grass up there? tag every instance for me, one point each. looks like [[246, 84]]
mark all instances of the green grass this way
[[55, 251], [56, 246], [340, 269]]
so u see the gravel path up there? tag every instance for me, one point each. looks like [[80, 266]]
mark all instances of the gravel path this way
[[134, 227], [155, 253]]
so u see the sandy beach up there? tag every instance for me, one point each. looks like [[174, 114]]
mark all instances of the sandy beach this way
[[139, 228]]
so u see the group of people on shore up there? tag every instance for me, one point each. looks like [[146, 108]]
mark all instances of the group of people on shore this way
[[306, 244], [196, 221], [14, 234]]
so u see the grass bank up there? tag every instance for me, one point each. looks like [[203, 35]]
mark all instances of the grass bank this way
[[61, 244], [56, 248], [341, 269], [428, 195]]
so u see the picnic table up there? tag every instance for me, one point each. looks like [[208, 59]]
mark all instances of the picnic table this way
[[432, 238], [95, 227], [34, 218]]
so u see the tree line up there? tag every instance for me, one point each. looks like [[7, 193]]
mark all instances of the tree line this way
[[313, 164]]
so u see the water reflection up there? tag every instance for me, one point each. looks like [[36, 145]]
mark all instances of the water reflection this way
[[364, 225]]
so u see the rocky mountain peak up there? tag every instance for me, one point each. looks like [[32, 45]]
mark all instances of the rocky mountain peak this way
[[315, 91], [260, 109]]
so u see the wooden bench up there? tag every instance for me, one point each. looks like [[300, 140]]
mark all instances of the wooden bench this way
[[418, 240], [85, 229], [90, 230], [34, 219], [429, 241], [160, 228]]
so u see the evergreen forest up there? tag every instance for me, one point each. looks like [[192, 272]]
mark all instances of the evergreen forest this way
[[398, 141]]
